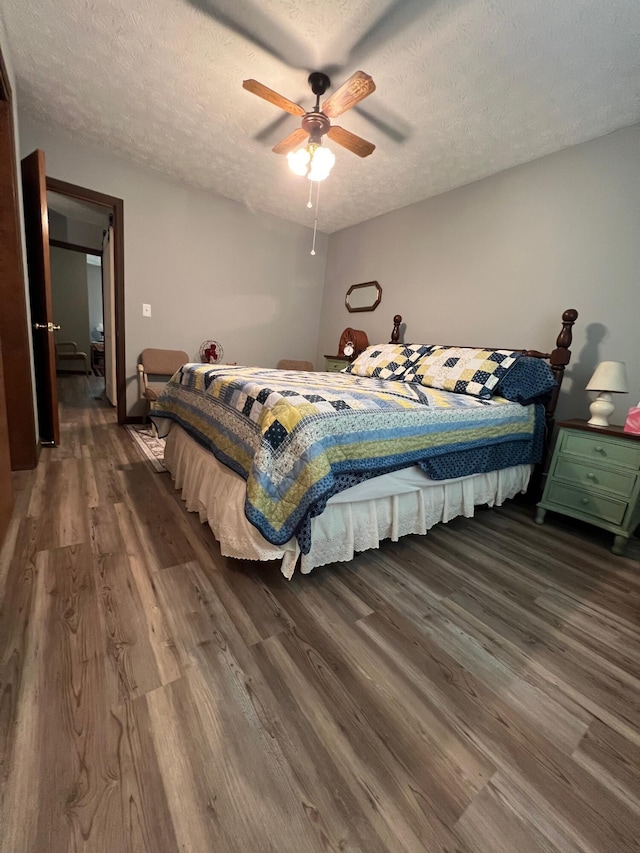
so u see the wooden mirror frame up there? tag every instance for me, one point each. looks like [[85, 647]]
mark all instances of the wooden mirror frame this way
[[358, 287]]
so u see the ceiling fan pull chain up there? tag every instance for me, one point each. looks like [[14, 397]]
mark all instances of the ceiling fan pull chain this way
[[315, 223], [310, 203]]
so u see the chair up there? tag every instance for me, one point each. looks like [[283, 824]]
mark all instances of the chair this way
[[97, 357], [68, 351], [292, 364], [158, 362]]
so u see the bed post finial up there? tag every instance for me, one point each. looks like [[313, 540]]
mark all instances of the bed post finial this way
[[561, 355], [395, 334]]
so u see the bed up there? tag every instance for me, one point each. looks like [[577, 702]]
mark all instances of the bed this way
[[311, 468]]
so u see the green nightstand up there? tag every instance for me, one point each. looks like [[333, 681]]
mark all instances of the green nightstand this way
[[595, 476], [336, 363]]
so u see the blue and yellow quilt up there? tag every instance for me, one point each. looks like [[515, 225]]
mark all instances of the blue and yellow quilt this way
[[299, 438]]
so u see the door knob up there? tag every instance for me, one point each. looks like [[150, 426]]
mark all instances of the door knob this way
[[50, 327]]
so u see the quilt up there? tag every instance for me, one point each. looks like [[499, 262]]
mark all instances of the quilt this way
[[298, 438]]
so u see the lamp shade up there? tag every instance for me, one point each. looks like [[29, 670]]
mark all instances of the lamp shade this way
[[609, 376]]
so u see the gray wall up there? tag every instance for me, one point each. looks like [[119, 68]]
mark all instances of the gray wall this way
[[209, 267], [57, 226], [70, 301], [69, 230], [85, 233], [498, 261]]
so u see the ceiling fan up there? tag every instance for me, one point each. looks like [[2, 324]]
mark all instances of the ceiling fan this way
[[313, 160]]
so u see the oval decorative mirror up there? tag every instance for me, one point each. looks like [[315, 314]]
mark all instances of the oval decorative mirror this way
[[363, 297]]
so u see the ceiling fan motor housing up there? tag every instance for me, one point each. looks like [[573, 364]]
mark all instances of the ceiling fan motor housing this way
[[316, 124]]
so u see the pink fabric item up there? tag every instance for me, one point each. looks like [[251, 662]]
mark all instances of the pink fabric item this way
[[632, 424]]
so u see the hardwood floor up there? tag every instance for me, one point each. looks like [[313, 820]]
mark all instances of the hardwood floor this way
[[472, 691]]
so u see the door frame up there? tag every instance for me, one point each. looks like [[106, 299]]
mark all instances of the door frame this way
[[116, 208]]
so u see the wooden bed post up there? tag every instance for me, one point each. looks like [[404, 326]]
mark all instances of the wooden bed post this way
[[561, 355], [558, 359], [395, 334]]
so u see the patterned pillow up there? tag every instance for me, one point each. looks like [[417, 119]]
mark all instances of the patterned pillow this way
[[387, 361], [462, 369], [529, 381]]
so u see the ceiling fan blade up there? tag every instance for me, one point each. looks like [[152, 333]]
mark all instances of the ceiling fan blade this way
[[357, 87], [273, 97], [290, 142], [348, 140]]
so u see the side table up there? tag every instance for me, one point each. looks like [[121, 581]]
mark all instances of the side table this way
[[336, 363], [595, 476]]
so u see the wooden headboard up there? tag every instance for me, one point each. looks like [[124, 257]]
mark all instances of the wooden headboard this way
[[558, 358]]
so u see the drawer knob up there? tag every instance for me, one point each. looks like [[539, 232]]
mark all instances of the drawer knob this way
[[591, 476], [584, 501], [599, 448]]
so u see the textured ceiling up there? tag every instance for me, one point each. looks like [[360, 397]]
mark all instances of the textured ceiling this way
[[465, 88]]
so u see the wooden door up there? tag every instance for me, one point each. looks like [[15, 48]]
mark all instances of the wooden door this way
[[108, 316], [36, 222], [6, 489]]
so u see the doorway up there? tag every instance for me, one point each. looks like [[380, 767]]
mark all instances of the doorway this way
[[38, 223], [80, 291], [112, 265]]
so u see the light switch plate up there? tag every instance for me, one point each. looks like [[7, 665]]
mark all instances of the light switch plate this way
[[146, 310]]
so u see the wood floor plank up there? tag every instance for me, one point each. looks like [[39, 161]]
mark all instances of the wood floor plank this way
[[613, 760], [64, 520], [19, 549], [489, 825], [534, 809], [190, 793], [15, 619], [106, 537], [607, 633], [157, 528], [147, 823], [78, 736], [124, 627], [24, 771]]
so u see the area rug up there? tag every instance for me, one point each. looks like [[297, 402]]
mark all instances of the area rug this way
[[150, 445]]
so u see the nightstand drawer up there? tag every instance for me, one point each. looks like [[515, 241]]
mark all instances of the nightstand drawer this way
[[603, 449], [594, 477], [334, 365], [586, 503]]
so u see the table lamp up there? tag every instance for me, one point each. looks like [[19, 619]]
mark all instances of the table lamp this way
[[610, 377]]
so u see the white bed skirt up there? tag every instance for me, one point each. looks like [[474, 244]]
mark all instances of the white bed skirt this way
[[357, 519]]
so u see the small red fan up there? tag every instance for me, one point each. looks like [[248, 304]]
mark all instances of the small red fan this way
[[211, 352]]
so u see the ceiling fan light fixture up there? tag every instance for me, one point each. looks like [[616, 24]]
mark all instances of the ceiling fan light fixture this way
[[322, 162], [313, 161], [299, 161]]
